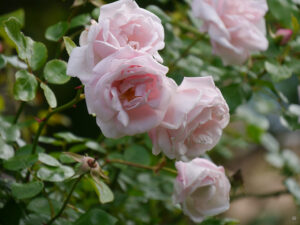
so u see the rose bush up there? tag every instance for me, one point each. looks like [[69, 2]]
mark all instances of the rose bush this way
[[202, 189], [194, 121], [236, 28]]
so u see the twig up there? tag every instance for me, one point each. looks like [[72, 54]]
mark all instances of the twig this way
[[66, 201], [260, 196], [153, 168]]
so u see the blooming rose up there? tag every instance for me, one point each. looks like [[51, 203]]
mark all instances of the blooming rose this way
[[285, 35], [194, 121], [129, 93], [201, 188], [235, 27], [121, 24]]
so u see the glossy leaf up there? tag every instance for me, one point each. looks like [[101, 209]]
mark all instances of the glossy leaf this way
[[36, 53], [50, 96], [56, 31], [25, 86], [55, 72], [80, 20], [28, 190], [103, 191], [19, 162], [93, 216], [278, 72], [6, 151], [48, 160], [13, 30], [70, 45], [57, 174]]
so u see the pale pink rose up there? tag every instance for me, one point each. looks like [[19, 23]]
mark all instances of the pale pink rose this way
[[129, 93], [285, 35], [121, 23], [236, 27], [194, 121], [201, 188]]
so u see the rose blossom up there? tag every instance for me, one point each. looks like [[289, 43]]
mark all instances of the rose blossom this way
[[236, 27], [129, 93], [201, 188], [194, 121], [121, 23]]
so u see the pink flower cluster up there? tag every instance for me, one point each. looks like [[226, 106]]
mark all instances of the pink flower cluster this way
[[127, 89]]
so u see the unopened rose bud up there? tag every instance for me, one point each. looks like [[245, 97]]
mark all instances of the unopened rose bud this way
[[284, 35], [88, 163]]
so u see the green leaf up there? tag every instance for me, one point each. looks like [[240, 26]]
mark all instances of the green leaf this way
[[57, 174], [6, 151], [70, 45], [294, 188], [29, 190], [50, 96], [96, 13], [95, 146], [55, 72], [278, 72], [56, 31], [93, 216], [25, 86], [103, 191], [48, 160], [36, 53], [15, 62], [20, 162], [19, 15], [13, 29], [137, 154], [69, 137], [80, 20], [9, 132]]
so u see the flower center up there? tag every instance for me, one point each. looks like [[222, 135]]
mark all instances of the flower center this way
[[128, 95]]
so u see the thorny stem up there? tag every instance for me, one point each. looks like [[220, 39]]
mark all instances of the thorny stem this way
[[155, 169], [66, 201], [260, 196]]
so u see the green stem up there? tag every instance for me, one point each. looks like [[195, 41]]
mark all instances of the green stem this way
[[48, 116], [21, 107], [153, 168], [66, 201], [261, 196]]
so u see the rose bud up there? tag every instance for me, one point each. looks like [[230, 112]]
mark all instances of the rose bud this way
[[284, 35]]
